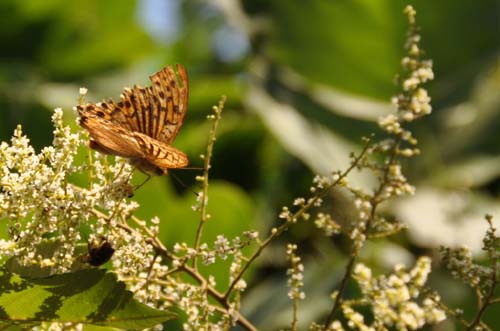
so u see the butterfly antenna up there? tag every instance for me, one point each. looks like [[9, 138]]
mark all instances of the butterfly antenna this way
[[144, 182], [182, 183], [190, 168]]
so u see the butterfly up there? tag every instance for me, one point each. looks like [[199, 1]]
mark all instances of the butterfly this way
[[143, 124]]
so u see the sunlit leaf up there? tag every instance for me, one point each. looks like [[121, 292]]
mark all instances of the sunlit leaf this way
[[89, 296]]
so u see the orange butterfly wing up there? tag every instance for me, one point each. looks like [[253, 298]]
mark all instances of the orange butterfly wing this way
[[144, 123], [109, 138], [161, 155], [165, 103]]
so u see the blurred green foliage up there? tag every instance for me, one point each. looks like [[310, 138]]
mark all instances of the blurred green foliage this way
[[326, 67]]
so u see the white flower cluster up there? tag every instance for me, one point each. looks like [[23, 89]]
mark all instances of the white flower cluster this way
[[55, 326], [199, 197], [461, 265], [222, 248], [58, 327], [201, 314], [397, 183], [295, 274], [134, 256], [320, 182], [319, 188], [394, 299], [38, 201], [413, 102], [194, 302], [327, 224], [35, 198]]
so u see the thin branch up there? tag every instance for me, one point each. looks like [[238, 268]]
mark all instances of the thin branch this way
[[340, 292], [277, 231], [222, 299], [355, 251], [161, 249], [295, 314], [450, 312], [458, 317], [206, 168], [90, 168], [486, 300], [219, 297]]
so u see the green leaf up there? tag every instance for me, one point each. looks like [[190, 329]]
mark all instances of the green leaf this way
[[311, 142], [91, 296], [360, 42], [8, 327]]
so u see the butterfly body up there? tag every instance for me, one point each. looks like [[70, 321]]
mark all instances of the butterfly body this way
[[143, 124]]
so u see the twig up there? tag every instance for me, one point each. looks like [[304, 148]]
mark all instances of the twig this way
[[206, 168], [277, 231], [450, 312], [161, 249], [90, 168], [459, 318], [295, 318], [340, 291], [355, 252], [486, 301]]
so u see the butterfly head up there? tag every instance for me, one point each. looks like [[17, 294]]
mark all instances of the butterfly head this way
[[147, 167]]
